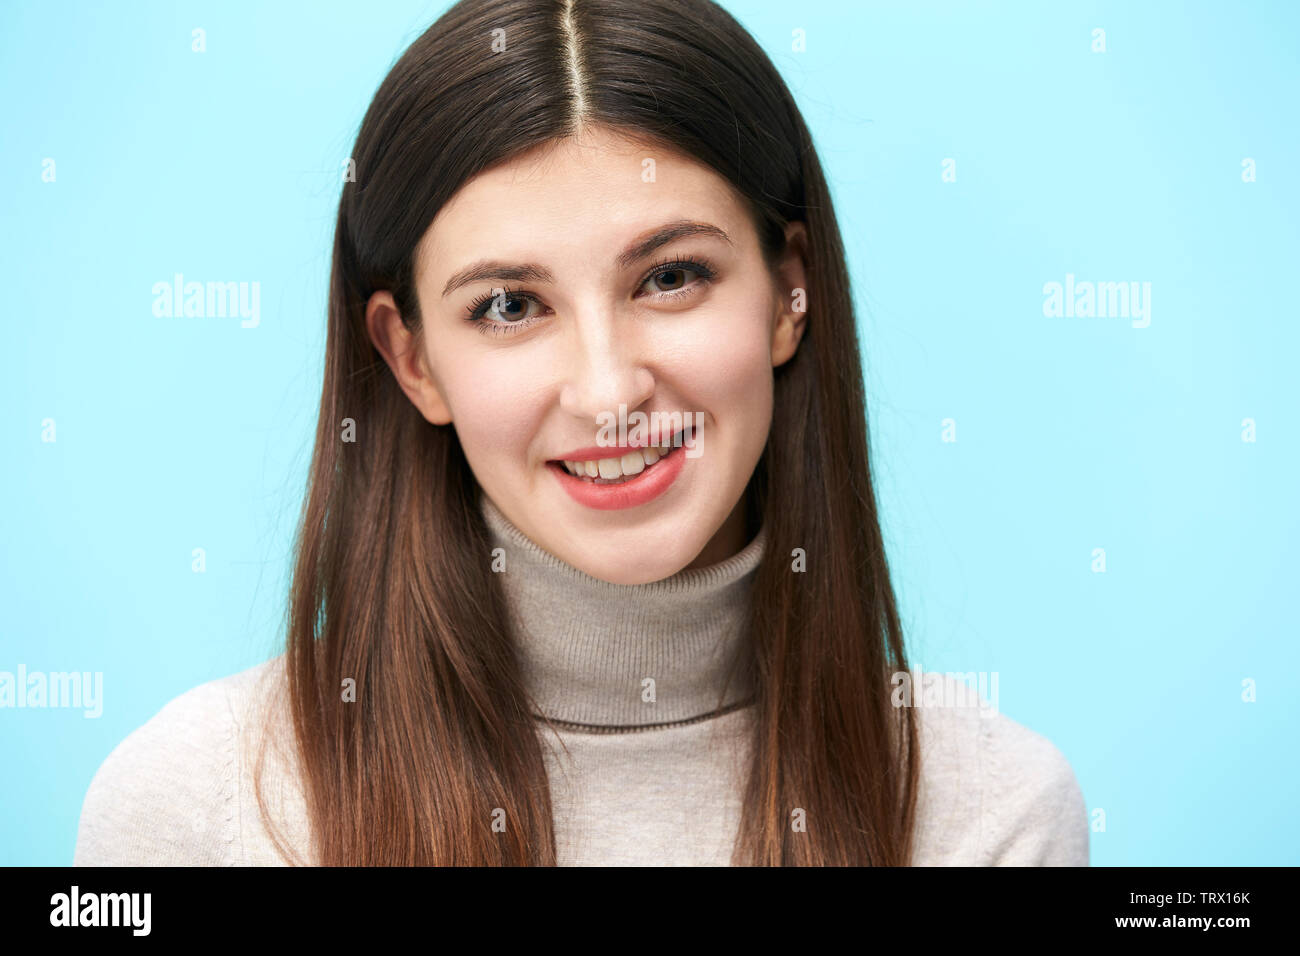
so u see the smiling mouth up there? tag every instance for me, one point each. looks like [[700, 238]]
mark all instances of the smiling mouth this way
[[623, 468]]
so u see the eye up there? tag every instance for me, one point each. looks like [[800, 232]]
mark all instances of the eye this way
[[678, 274], [503, 307], [670, 279]]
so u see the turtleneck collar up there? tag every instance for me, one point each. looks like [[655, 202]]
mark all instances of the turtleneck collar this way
[[588, 647]]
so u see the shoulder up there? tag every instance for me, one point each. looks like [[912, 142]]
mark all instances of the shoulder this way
[[993, 792], [168, 794]]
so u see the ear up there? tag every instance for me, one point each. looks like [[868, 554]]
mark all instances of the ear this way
[[792, 288], [402, 351]]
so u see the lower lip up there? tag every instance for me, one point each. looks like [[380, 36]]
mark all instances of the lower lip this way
[[647, 486]]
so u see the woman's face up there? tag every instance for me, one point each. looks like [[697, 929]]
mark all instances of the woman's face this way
[[566, 291]]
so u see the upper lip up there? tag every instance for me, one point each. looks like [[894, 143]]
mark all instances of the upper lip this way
[[596, 452]]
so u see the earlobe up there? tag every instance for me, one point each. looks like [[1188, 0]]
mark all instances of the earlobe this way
[[792, 309], [401, 350]]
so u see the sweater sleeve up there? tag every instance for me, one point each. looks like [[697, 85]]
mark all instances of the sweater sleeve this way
[[1034, 811], [167, 794]]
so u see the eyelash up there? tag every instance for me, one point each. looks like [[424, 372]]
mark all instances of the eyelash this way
[[477, 309]]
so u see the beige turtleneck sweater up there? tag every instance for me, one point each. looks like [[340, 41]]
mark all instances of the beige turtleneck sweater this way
[[644, 768]]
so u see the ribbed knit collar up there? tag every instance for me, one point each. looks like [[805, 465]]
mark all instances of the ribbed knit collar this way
[[588, 646]]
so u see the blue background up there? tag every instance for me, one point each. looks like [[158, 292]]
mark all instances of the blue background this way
[[1072, 433]]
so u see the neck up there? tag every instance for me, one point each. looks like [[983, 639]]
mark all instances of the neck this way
[[618, 656]]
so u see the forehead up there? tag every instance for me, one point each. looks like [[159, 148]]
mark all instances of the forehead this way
[[582, 196]]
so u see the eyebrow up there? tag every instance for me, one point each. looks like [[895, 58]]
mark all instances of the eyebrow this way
[[530, 272]]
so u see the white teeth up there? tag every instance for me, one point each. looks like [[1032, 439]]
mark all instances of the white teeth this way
[[633, 463]]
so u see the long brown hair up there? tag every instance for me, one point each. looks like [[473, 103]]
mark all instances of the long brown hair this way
[[388, 590]]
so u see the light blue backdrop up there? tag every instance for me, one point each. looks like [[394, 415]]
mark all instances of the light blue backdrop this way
[[1072, 433]]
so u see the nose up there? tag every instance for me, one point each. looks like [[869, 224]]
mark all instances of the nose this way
[[606, 366]]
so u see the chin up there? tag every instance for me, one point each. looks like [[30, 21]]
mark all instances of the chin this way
[[621, 566]]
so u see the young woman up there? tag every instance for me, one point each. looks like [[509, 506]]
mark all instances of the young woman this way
[[589, 570]]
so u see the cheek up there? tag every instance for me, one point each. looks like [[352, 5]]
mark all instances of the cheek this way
[[726, 366], [495, 404]]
